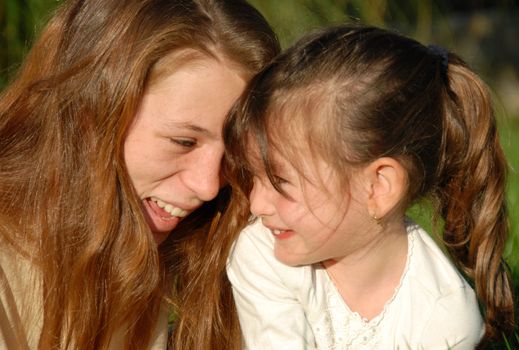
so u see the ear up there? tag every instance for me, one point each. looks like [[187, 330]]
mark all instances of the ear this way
[[387, 186]]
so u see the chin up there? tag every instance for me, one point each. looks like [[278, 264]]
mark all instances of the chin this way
[[288, 260], [295, 260]]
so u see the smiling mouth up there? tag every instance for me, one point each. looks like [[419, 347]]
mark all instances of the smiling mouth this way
[[168, 209], [282, 234]]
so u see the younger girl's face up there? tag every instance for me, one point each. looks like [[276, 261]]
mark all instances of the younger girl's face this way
[[174, 147], [313, 221]]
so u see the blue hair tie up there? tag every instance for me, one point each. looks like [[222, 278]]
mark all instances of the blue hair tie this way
[[443, 55]]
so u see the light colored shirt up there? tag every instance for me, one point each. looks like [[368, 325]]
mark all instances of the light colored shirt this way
[[283, 307], [21, 307]]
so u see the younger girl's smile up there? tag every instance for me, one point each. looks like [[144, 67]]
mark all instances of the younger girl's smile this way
[[283, 234]]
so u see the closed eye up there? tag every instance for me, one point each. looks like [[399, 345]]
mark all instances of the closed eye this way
[[281, 185], [278, 180], [187, 143]]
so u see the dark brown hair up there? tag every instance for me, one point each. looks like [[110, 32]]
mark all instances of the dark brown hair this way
[[356, 94], [66, 202]]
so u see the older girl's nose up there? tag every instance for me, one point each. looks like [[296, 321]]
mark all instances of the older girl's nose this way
[[203, 177]]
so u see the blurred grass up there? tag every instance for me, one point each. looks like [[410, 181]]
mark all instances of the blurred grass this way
[[510, 141], [20, 21]]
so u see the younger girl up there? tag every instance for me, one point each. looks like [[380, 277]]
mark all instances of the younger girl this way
[[342, 133]]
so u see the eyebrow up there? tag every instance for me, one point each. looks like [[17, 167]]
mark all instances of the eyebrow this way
[[192, 127], [278, 165]]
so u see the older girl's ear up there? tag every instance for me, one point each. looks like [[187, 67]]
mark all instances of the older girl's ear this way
[[387, 186]]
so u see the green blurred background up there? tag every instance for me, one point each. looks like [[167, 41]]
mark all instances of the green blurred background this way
[[483, 32]]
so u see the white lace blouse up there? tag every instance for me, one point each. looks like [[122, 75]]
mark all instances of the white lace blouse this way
[[282, 307]]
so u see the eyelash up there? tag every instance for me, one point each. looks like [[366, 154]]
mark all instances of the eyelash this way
[[279, 180], [184, 142], [280, 186]]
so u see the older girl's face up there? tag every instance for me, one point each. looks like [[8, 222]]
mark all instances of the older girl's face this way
[[174, 147]]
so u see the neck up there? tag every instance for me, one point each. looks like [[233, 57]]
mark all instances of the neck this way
[[367, 278]]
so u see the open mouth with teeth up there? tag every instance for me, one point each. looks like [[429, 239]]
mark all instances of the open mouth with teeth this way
[[282, 234], [168, 209], [162, 217]]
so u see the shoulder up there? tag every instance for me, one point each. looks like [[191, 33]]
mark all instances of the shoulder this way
[[256, 235], [443, 299], [268, 294], [430, 267], [254, 244], [18, 276], [456, 319], [20, 300], [252, 257]]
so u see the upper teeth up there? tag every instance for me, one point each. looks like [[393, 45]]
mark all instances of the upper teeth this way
[[173, 211], [276, 232]]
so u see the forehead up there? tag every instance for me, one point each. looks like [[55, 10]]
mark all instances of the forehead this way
[[288, 139], [280, 158], [192, 57], [197, 95]]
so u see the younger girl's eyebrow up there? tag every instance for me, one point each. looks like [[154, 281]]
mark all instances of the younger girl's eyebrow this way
[[278, 165]]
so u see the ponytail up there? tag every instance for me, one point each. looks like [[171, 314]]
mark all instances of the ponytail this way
[[394, 97], [471, 193]]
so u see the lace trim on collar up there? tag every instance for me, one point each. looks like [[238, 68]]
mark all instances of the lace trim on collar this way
[[341, 328]]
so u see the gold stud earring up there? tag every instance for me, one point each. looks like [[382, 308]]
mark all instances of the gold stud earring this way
[[377, 219]]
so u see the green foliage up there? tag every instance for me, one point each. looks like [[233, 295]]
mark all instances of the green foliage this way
[[20, 20], [510, 140], [292, 18]]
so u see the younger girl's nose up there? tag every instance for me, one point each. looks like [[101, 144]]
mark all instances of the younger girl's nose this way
[[260, 199]]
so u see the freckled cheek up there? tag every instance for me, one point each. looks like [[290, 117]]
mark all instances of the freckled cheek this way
[[133, 170], [138, 180], [145, 175]]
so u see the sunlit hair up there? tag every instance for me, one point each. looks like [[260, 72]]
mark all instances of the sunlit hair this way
[[353, 94], [66, 201]]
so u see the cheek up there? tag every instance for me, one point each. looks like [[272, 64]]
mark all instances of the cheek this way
[[137, 157], [327, 215], [136, 172], [131, 160], [293, 212], [146, 155], [141, 162], [134, 148]]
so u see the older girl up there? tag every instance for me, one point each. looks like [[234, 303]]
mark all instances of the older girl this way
[[110, 138]]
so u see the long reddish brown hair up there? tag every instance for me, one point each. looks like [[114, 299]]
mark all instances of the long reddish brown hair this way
[[66, 202], [360, 93]]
